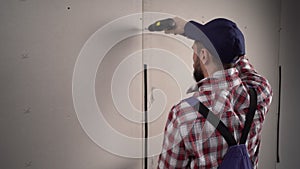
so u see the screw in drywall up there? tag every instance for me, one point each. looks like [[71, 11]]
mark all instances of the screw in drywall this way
[[27, 110], [28, 164], [25, 55], [202, 19]]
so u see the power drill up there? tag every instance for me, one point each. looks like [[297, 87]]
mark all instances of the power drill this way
[[165, 24]]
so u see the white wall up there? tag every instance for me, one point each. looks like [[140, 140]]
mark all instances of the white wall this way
[[40, 46]]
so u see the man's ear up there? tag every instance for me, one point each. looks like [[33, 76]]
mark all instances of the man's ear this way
[[204, 56]]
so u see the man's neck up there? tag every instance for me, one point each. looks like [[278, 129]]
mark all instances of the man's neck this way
[[212, 69]]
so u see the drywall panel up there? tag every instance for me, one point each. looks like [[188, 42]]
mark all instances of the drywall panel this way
[[41, 42], [258, 20], [46, 46], [289, 59]]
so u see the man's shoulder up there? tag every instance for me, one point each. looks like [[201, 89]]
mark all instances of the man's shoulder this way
[[184, 111]]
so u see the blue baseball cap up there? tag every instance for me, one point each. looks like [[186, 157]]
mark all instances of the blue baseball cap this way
[[220, 36]]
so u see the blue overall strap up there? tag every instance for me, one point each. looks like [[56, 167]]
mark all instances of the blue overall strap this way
[[213, 119]]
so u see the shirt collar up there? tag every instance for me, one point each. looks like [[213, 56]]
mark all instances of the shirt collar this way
[[220, 80]]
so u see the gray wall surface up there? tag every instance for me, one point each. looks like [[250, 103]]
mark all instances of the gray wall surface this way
[[43, 41]]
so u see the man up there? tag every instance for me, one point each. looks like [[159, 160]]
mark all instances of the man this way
[[224, 76]]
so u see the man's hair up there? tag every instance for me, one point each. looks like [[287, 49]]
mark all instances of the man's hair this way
[[199, 46], [216, 59]]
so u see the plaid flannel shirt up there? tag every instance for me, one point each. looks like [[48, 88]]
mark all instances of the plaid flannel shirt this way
[[192, 142]]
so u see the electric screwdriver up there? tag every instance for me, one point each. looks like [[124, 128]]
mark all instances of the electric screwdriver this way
[[165, 24]]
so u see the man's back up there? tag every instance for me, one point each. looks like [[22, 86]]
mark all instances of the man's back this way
[[192, 142]]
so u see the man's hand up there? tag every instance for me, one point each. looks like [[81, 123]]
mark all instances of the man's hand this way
[[179, 26]]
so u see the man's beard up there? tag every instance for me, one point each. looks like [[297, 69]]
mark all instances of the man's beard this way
[[198, 75]]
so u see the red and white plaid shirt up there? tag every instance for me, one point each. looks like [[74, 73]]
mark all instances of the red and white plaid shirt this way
[[192, 142]]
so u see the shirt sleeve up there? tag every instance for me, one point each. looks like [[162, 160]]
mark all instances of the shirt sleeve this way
[[251, 78], [174, 154]]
